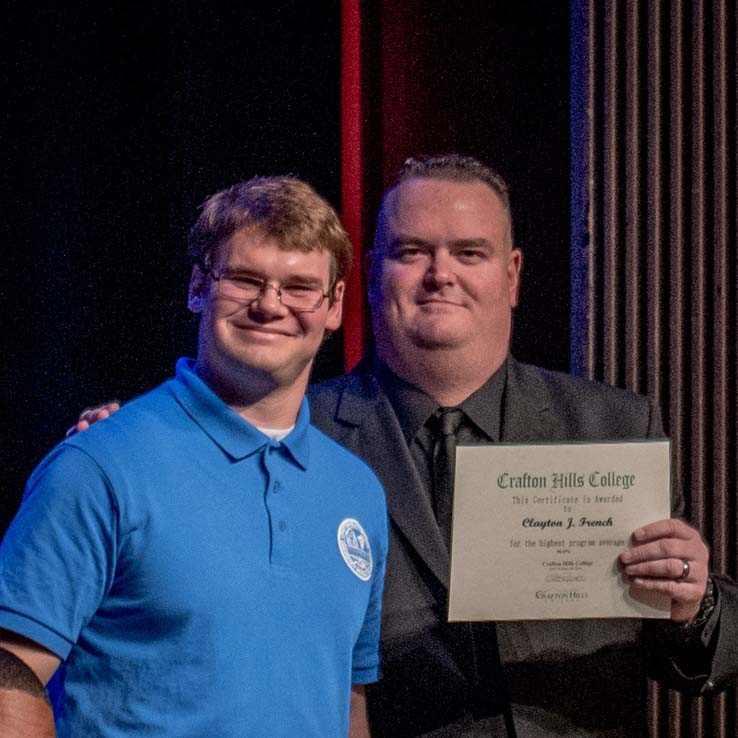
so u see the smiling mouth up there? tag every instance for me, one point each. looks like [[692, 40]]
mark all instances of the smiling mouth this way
[[440, 303], [260, 330]]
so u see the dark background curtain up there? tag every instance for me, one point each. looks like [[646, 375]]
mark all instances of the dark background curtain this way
[[121, 119], [654, 288], [490, 80]]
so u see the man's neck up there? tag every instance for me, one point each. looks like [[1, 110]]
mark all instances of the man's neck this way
[[258, 399], [443, 375]]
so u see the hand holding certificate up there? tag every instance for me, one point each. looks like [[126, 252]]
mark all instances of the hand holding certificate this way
[[537, 529]]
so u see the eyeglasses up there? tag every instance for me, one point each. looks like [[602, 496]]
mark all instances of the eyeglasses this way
[[301, 298]]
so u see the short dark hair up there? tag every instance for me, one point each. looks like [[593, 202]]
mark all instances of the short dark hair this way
[[284, 208], [453, 168]]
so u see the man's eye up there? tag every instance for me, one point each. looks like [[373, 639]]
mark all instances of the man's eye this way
[[246, 283], [298, 290], [407, 253], [471, 255]]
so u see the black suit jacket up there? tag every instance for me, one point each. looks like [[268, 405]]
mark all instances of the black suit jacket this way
[[586, 675]]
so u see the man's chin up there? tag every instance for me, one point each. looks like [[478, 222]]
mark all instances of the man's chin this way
[[283, 369], [437, 340], [265, 369]]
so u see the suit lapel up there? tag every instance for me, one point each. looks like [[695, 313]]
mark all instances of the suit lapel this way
[[527, 414], [375, 434], [368, 426]]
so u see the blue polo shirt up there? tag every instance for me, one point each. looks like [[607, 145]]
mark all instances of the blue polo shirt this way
[[196, 577]]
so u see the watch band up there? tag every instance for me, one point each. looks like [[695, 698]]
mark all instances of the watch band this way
[[709, 600]]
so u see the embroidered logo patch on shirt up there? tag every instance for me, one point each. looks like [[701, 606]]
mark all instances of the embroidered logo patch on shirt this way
[[353, 543]]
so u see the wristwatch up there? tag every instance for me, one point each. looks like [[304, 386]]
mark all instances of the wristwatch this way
[[709, 600]]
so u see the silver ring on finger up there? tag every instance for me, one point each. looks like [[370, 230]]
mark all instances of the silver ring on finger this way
[[685, 571]]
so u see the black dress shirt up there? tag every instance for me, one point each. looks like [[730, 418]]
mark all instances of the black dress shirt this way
[[481, 423]]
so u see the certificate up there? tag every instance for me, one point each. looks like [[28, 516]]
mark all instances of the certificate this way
[[537, 529]]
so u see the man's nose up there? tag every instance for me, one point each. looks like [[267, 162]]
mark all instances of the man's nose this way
[[269, 302], [440, 269]]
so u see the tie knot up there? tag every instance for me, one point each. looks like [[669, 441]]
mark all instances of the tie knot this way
[[449, 419]]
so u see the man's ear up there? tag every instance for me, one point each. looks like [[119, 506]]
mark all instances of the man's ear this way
[[197, 290], [335, 311], [514, 268]]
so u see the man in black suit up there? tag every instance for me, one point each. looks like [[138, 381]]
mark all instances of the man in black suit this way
[[443, 279]]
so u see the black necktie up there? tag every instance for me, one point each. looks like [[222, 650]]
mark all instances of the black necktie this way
[[447, 422], [490, 682]]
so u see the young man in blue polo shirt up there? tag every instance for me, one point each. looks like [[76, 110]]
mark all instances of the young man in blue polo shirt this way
[[208, 563]]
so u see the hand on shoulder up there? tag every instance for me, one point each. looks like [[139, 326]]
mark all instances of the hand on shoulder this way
[[91, 415]]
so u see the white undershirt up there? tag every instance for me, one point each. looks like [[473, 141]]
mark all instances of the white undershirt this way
[[276, 434]]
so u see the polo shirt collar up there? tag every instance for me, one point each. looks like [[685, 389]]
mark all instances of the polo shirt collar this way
[[233, 434]]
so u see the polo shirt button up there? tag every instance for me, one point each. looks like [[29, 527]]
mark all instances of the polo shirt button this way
[[282, 526], [277, 486]]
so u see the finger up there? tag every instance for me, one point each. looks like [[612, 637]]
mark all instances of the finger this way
[[663, 548], [99, 412], [685, 597], [685, 592], [93, 414], [665, 569], [692, 549], [669, 528], [104, 411]]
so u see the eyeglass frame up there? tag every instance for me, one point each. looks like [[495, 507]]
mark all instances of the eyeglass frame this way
[[277, 287]]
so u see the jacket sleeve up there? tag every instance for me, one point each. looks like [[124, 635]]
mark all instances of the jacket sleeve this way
[[694, 660]]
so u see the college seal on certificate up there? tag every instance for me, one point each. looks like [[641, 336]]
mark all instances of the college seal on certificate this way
[[353, 543]]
